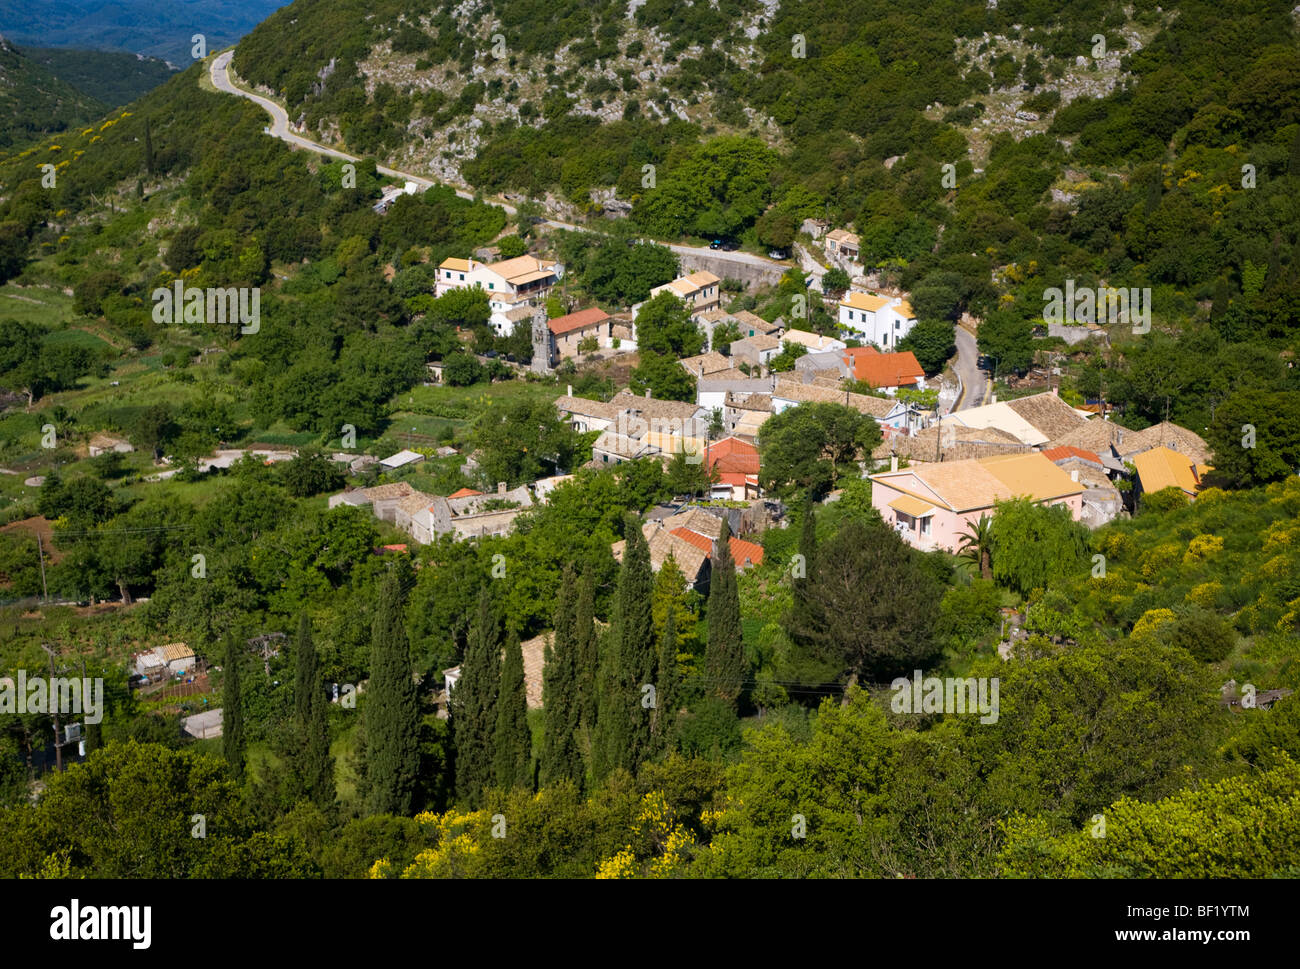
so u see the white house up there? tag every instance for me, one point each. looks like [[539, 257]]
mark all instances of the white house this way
[[881, 320], [400, 460], [511, 284]]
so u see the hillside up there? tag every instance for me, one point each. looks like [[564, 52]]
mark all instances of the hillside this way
[[113, 78], [34, 102]]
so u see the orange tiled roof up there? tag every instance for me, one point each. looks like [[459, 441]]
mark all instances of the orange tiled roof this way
[[464, 493], [742, 552], [577, 321], [1069, 451], [883, 369]]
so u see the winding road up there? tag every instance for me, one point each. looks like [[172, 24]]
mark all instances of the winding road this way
[[219, 73], [973, 381]]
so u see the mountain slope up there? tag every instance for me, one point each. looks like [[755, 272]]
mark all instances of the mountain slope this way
[[113, 78], [33, 102]]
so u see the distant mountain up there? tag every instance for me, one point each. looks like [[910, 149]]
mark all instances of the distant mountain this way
[[136, 26], [113, 77], [33, 102]]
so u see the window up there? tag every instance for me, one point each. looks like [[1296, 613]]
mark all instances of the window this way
[[492, 285], [462, 276], [447, 273], [925, 526]]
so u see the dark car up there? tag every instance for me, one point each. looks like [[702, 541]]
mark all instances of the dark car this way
[[715, 244], [730, 245], [491, 354]]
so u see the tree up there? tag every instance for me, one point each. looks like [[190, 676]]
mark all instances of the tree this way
[[668, 689], [1008, 339], [232, 714], [311, 473], [976, 544], [724, 658], [524, 441], [314, 767], [834, 282], [805, 566], [392, 711], [512, 247], [561, 759], [586, 651], [932, 342], [1255, 437], [461, 369], [1033, 545], [872, 603], [474, 702], [807, 447], [687, 477], [513, 762], [664, 326], [663, 376]]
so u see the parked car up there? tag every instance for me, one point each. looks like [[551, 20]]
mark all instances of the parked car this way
[[778, 254], [715, 244], [730, 245]]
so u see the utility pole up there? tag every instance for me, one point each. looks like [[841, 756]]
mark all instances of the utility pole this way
[[49, 690], [40, 554]]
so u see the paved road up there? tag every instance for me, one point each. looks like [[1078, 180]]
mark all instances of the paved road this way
[[219, 72], [973, 382]]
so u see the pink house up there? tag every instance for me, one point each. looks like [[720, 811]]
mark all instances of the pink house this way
[[932, 505]]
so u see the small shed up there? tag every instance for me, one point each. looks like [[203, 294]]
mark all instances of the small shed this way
[[177, 656]]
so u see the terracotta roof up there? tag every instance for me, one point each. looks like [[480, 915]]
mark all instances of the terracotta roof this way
[[663, 544], [1171, 436], [464, 493], [522, 266], [742, 552], [459, 265], [883, 369], [697, 520], [703, 278], [732, 454], [750, 320], [1161, 467], [953, 443], [580, 320], [1067, 451]]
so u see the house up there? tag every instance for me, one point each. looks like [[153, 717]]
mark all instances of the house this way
[[586, 415], [756, 351], [712, 392], [843, 245], [744, 414], [703, 364], [813, 342], [932, 505], [150, 664], [745, 554], [790, 392], [881, 320], [103, 443], [664, 545], [1102, 501], [710, 321], [510, 284], [401, 459], [751, 325], [568, 332], [883, 371], [1162, 467], [699, 291], [385, 498], [736, 463], [357, 498], [949, 442], [466, 514], [543, 487], [176, 656], [203, 726], [1035, 420]]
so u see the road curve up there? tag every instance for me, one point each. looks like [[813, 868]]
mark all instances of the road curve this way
[[219, 72]]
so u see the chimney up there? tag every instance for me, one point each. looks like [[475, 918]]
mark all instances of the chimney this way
[[1074, 475], [501, 487], [893, 462], [569, 390], [647, 392]]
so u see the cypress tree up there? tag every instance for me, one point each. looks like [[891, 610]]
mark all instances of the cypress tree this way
[[635, 666], [474, 703], [311, 752], [304, 671], [561, 758], [610, 729], [586, 652], [232, 712], [514, 741], [724, 659], [668, 689], [808, 550], [392, 709]]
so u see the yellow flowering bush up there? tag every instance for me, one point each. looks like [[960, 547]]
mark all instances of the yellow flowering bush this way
[[1205, 594], [1144, 630], [1160, 558], [620, 865], [1202, 548]]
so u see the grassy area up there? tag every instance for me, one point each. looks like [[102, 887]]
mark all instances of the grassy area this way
[[45, 305]]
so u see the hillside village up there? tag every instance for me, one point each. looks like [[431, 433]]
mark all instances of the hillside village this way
[[566, 441]]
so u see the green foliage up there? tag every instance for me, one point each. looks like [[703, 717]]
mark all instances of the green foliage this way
[[392, 713], [474, 704], [809, 447], [513, 761], [725, 666], [932, 343], [1034, 545]]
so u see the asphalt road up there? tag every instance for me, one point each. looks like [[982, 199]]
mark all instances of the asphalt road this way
[[973, 381], [219, 72]]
